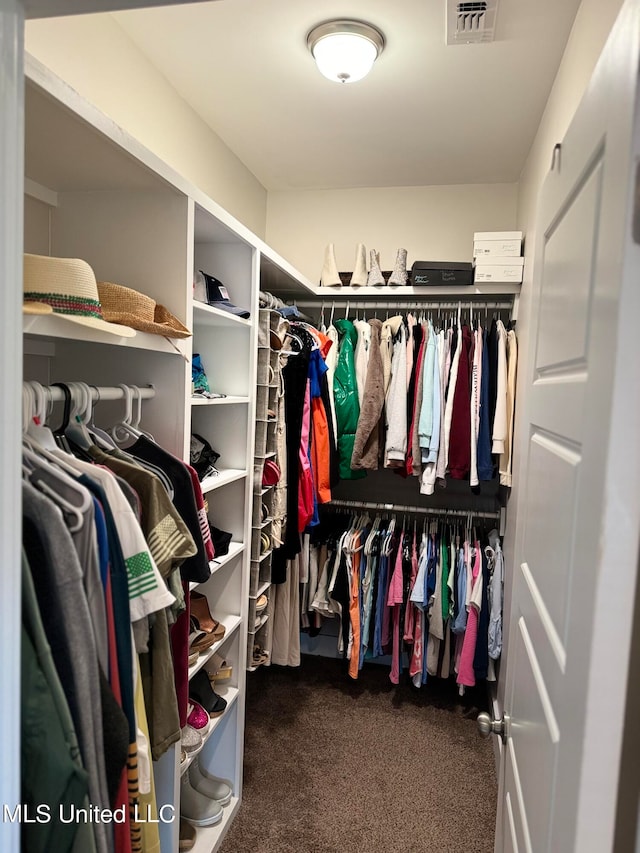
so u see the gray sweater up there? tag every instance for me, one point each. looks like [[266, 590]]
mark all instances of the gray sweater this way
[[58, 581]]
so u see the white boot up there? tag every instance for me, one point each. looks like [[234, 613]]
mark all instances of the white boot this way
[[215, 789], [196, 808], [399, 274], [330, 277], [375, 273], [359, 275]]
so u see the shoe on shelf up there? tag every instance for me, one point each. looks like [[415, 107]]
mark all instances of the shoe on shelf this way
[[259, 655], [199, 641], [197, 717], [400, 275], [375, 276], [359, 276], [194, 654], [191, 740], [187, 836], [202, 618], [210, 786], [330, 276], [219, 669], [196, 808], [201, 689]]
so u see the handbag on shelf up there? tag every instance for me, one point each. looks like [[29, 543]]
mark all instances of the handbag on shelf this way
[[270, 473]]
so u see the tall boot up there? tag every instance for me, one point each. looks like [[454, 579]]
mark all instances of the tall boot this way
[[330, 277], [375, 273], [359, 276], [399, 274]]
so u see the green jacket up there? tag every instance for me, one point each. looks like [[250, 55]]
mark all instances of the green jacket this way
[[345, 392]]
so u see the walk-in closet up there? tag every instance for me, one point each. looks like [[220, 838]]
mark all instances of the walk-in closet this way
[[320, 505]]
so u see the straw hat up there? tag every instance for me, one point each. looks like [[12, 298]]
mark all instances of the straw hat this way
[[67, 287], [124, 305]]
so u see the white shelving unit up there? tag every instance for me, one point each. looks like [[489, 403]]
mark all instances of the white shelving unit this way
[[95, 193], [268, 380]]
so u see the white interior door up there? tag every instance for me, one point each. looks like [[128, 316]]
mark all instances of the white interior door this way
[[577, 533]]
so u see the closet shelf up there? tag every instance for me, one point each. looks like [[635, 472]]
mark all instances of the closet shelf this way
[[262, 588], [228, 693], [208, 838], [219, 401], [50, 326], [228, 475], [263, 621], [216, 564], [263, 524], [264, 556], [208, 315], [386, 293], [231, 623]]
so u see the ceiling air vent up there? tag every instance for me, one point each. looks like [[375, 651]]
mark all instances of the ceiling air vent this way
[[471, 22]]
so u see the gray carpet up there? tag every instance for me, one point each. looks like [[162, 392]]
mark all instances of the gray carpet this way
[[333, 766]]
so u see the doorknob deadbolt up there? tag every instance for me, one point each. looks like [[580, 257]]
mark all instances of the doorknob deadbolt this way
[[488, 726]]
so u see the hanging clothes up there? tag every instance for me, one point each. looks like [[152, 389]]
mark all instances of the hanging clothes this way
[[366, 447], [346, 399]]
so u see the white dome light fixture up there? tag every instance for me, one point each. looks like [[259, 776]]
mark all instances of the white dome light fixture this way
[[345, 50]]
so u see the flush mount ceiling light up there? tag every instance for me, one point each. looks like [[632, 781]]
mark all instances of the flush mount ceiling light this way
[[345, 50]]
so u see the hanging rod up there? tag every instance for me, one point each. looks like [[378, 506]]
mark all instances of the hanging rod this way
[[419, 304], [100, 393], [414, 510]]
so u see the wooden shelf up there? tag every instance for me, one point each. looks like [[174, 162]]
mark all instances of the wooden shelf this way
[[216, 564], [227, 475], [230, 400], [209, 315], [231, 623]]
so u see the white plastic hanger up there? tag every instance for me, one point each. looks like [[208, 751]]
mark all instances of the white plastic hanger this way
[[136, 422], [124, 430], [100, 436], [76, 430]]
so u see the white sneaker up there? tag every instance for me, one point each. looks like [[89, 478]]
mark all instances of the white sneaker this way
[[216, 789], [196, 808]]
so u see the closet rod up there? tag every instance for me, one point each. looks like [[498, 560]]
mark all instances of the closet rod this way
[[102, 392], [414, 510], [419, 304]]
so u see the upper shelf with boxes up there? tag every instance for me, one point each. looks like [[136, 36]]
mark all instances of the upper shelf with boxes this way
[[496, 269]]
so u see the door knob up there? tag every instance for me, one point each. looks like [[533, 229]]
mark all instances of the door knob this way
[[488, 726]]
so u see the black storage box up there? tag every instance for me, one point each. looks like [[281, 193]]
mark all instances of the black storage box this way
[[432, 273]]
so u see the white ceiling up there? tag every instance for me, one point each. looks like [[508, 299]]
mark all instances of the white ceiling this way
[[427, 114]]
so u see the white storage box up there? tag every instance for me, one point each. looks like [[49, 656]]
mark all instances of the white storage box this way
[[497, 243], [502, 269], [498, 261]]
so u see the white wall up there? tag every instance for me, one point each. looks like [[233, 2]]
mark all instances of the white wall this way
[[94, 55], [591, 28], [432, 223]]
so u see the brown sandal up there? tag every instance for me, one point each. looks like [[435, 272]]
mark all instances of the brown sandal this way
[[202, 618]]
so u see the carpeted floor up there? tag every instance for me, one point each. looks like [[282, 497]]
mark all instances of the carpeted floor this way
[[333, 766]]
